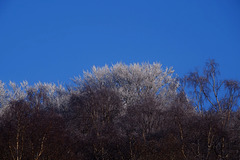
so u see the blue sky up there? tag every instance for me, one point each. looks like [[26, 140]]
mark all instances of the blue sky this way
[[55, 40]]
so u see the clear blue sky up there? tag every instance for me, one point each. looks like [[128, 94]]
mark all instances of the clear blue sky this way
[[55, 40]]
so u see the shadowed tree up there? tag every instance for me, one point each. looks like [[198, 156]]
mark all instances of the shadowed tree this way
[[32, 133], [220, 96]]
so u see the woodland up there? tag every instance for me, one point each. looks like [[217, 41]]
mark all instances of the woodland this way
[[123, 112]]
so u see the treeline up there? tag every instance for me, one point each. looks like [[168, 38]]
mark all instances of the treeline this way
[[132, 112]]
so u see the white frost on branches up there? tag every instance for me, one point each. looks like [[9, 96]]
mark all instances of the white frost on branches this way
[[133, 82], [54, 95], [3, 95], [40, 93]]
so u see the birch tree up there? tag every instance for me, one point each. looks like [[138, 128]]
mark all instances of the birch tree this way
[[220, 96]]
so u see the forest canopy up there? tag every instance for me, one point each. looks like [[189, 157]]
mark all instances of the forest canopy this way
[[136, 111]]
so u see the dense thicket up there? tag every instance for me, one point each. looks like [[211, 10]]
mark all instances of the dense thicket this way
[[137, 111]]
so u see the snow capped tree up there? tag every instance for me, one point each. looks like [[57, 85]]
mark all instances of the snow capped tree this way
[[144, 91], [11, 93], [40, 94], [47, 94], [17, 92], [133, 82], [3, 95]]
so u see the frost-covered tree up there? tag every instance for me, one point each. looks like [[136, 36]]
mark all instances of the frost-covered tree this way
[[39, 95], [3, 95], [144, 91], [47, 95], [11, 93], [133, 82]]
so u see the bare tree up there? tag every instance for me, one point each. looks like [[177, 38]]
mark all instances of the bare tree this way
[[222, 96]]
